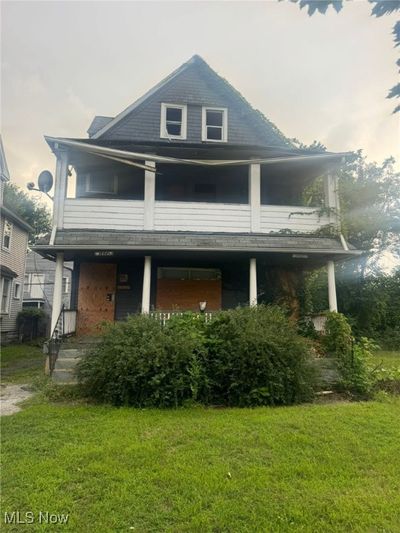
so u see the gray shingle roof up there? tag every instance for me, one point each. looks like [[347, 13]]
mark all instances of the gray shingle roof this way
[[161, 240]]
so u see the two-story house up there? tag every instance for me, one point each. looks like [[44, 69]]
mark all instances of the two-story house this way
[[14, 233], [187, 199]]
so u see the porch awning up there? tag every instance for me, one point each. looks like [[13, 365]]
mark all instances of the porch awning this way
[[134, 158], [192, 241]]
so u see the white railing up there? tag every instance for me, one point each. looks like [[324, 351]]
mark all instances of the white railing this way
[[164, 316], [113, 214], [202, 216], [295, 218], [103, 213], [69, 321]]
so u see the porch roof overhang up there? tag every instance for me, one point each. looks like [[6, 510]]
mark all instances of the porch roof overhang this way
[[136, 152], [77, 242]]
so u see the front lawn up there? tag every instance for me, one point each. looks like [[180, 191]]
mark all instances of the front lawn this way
[[21, 363], [311, 468]]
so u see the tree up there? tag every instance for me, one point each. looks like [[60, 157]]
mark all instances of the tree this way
[[30, 210], [370, 211], [380, 8]]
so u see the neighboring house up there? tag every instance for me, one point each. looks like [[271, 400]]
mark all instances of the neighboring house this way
[[39, 283], [188, 198], [14, 234]]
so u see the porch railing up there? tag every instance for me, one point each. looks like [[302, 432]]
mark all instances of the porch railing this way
[[164, 316], [65, 326]]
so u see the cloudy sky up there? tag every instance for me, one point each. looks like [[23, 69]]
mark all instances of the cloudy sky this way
[[324, 77]]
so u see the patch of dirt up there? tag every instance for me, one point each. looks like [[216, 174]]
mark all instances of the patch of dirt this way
[[11, 396]]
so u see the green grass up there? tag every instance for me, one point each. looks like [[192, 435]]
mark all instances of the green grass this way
[[387, 359], [311, 468], [21, 363]]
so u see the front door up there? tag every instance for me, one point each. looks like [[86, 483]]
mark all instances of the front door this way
[[96, 297]]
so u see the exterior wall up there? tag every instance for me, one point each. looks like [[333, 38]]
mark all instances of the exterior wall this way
[[36, 264], [195, 89], [15, 260]]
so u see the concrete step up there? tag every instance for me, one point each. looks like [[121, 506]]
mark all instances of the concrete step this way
[[67, 363], [69, 353], [64, 377]]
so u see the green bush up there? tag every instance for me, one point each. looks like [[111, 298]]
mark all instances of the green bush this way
[[242, 357], [352, 358], [256, 357], [139, 362]]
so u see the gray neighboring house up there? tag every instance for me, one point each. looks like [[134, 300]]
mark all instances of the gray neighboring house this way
[[14, 234], [39, 283]]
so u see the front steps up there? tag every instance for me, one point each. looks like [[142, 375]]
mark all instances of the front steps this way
[[71, 351]]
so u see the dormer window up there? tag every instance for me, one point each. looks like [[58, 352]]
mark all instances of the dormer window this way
[[215, 124], [173, 121]]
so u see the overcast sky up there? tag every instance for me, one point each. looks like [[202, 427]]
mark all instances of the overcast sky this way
[[324, 77]]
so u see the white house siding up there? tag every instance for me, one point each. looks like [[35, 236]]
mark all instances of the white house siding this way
[[199, 216], [188, 216], [15, 260], [95, 213], [281, 217]]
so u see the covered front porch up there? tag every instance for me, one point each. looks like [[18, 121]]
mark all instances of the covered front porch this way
[[109, 285]]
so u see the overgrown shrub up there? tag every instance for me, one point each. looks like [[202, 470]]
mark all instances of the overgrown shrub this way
[[242, 357], [31, 323], [352, 357], [139, 362], [256, 357]]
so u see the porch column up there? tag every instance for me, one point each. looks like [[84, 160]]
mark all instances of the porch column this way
[[332, 286], [149, 195], [146, 285], [253, 282], [332, 197], [255, 196], [57, 292], [60, 189]]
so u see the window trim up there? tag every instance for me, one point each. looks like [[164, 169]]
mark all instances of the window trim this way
[[6, 311], [88, 190], [17, 285], [163, 121], [5, 248], [224, 124]]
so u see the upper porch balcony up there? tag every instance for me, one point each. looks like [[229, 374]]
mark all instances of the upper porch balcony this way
[[243, 198]]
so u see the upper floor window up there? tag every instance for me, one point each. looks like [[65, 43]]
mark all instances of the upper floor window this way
[[6, 238], [214, 124], [173, 121]]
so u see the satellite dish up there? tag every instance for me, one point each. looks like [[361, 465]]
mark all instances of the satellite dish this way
[[45, 181]]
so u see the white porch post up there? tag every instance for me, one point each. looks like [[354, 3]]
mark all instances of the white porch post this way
[[60, 189], [146, 285], [57, 293], [253, 282], [332, 286], [149, 195], [255, 195], [332, 197]]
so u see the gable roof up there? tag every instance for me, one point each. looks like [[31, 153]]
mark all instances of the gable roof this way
[[97, 124], [267, 130]]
